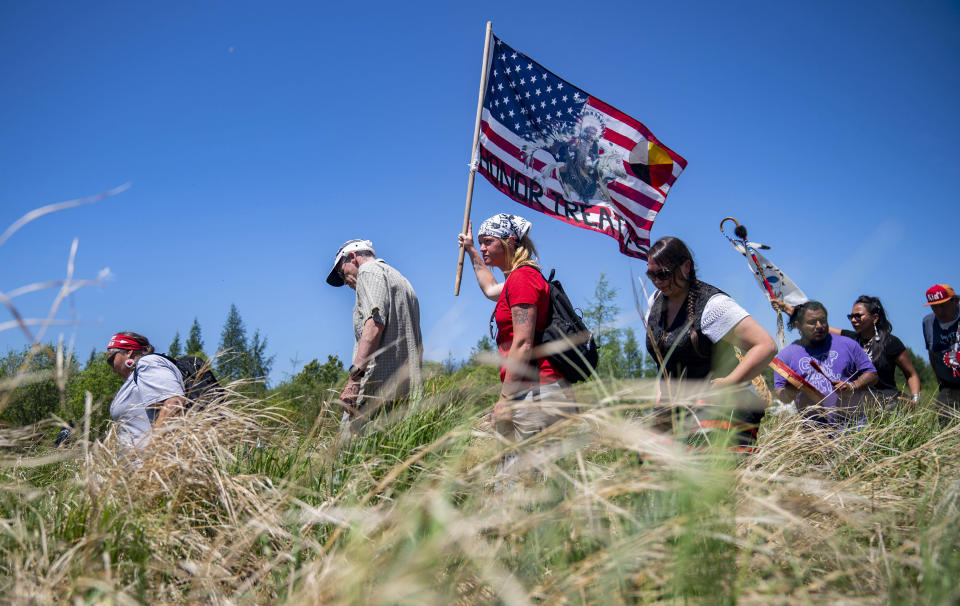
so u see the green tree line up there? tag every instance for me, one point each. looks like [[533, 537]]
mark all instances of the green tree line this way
[[622, 356], [29, 390]]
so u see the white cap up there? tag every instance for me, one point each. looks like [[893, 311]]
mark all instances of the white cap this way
[[334, 278]]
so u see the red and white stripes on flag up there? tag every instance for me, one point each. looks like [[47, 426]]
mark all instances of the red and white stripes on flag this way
[[550, 146]]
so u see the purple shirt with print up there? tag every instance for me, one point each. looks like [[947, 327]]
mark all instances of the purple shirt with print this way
[[840, 357]]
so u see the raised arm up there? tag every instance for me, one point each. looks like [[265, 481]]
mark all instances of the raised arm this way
[[485, 278]]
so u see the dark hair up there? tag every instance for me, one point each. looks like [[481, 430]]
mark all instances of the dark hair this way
[[671, 253], [874, 306], [146, 348], [800, 310], [883, 326]]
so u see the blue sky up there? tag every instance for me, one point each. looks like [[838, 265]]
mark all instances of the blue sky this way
[[259, 136]]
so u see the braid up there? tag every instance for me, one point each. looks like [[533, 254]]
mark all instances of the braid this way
[[693, 291], [671, 253]]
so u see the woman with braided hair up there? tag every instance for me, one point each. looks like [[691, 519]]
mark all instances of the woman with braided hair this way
[[693, 326]]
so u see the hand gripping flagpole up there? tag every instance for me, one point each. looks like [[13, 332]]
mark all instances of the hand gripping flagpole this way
[[473, 154]]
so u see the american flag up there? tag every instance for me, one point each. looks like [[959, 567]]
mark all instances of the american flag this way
[[554, 148]]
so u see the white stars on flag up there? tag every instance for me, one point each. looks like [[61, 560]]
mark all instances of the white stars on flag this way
[[529, 97]]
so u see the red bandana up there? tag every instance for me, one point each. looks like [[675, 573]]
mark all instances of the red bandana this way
[[119, 341]]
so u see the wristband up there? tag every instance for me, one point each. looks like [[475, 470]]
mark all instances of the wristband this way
[[915, 398], [355, 371]]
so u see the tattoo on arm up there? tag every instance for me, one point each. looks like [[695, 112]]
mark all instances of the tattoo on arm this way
[[522, 314], [477, 262]]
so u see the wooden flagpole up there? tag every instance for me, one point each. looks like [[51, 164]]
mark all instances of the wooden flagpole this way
[[473, 152]]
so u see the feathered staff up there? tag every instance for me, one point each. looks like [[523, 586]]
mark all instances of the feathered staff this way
[[774, 283]]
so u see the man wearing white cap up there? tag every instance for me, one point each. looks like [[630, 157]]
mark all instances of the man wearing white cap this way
[[941, 333], [388, 347]]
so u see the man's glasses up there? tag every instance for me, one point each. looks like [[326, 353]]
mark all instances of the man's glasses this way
[[660, 275], [111, 357]]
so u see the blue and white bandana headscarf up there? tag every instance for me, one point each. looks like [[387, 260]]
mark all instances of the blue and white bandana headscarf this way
[[504, 226]]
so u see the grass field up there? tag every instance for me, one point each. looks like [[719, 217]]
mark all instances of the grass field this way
[[258, 501]]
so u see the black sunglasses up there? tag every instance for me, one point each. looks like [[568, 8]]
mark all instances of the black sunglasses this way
[[111, 357], [660, 275], [857, 315]]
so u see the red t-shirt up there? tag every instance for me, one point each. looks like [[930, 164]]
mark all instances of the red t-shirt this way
[[524, 285]]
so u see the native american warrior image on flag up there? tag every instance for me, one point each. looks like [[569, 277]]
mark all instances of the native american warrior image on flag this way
[[554, 148]]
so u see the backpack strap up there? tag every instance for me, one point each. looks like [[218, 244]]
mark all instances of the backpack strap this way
[[136, 368]]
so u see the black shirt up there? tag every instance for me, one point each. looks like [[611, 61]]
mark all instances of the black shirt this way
[[941, 341], [886, 362]]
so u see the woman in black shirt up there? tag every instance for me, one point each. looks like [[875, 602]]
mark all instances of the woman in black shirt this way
[[873, 332]]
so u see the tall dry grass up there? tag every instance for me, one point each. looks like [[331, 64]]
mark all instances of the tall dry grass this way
[[249, 502], [236, 504]]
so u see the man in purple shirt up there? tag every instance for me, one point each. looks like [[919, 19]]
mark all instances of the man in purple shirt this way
[[845, 370]]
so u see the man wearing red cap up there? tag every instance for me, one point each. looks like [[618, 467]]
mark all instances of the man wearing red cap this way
[[941, 333]]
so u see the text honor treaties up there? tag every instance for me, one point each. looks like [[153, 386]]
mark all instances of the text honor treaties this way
[[529, 192]]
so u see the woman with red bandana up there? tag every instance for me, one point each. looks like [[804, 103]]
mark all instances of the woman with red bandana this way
[[152, 389]]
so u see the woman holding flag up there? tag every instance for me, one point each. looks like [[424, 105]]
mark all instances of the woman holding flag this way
[[522, 310], [693, 326]]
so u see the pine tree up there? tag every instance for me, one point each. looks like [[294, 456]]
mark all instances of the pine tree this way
[[258, 363], [484, 346], [175, 350], [35, 399], [233, 360], [636, 361], [599, 316], [194, 345]]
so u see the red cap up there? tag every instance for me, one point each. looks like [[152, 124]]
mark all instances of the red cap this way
[[939, 293]]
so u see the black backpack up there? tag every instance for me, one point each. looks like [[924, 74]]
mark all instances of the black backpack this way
[[200, 385], [577, 360]]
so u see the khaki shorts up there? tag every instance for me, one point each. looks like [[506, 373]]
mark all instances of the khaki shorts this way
[[538, 408]]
